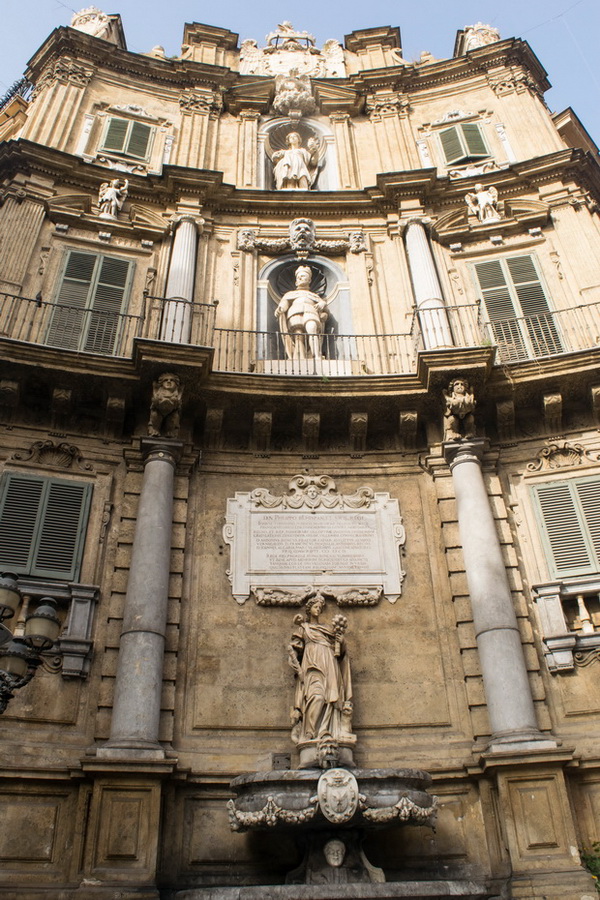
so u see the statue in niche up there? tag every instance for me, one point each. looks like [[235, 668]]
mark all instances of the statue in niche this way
[[295, 169], [459, 421], [165, 406], [322, 711], [302, 315], [483, 203], [336, 862], [111, 198]]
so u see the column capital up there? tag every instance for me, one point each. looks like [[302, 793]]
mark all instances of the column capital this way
[[193, 219], [164, 449], [456, 452]]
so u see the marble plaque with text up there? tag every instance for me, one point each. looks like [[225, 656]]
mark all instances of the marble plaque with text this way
[[314, 537]]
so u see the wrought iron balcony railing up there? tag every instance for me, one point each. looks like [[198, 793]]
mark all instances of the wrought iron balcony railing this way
[[100, 330]]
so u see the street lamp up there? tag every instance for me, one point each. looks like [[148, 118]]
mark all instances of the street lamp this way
[[21, 653]]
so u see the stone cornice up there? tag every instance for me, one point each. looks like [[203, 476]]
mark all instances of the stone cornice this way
[[415, 77]]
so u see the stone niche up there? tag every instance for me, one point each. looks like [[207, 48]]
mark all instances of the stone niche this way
[[312, 536]]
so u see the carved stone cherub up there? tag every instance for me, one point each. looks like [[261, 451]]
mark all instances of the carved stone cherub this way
[[459, 421], [483, 203], [165, 406]]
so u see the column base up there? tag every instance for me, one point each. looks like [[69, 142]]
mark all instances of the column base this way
[[520, 742], [130, 750]]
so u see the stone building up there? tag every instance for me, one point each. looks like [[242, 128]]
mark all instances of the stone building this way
[[279, 321]]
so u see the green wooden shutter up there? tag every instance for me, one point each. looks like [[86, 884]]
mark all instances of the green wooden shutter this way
[[42, 526], [570, 519], [68, 318], [106, 305], [452, 145], [534, 306], [138, 140], [501, 310], [474, 141], [116, 135]]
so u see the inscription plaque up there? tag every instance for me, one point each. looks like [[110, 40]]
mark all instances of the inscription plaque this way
[[314, 536]]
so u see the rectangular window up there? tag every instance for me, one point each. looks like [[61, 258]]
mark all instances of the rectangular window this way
[[127, 138], [463, 144], [89, 302], [569, 515], [517, 308], [42, 526]]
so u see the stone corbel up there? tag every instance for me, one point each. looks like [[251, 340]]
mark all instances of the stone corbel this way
[[213, 429], [262, 425], [552, 404], [408, 421], [62, 405], [311, 425], [115, 416], [505, 419], [359, 423], [9, 394], [595, 398]]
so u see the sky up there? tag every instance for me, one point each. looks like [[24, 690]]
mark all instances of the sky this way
[[563, 33]]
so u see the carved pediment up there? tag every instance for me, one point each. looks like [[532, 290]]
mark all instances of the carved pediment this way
[[559, 456], [250, 93], [517, 215], [70, 204]]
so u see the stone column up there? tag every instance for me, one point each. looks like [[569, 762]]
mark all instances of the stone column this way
[[505, 680], [177, 318], [136, 706], [429, 299]]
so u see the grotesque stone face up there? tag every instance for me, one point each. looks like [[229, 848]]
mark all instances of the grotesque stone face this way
[[334, 852], [302, 234]]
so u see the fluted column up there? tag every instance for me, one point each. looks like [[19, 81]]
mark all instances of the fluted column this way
[[177, 318], [429, 297], [136, 705], [505, 680]]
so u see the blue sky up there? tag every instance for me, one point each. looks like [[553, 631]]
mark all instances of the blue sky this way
[[563, 33]]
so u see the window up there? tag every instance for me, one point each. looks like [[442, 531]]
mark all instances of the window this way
[[127, 138], [42, 525], [517, 308], [463, 143], [89, 302], [569, 515]]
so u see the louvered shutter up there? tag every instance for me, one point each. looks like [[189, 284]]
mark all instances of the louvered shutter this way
[[116, 135], [139, 140], [42, 526], [106, 304], [474, 141], [451, 145], [68, 319], [501, 310], [570, 518], [534, 305]]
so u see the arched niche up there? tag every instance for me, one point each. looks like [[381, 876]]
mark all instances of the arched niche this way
[[271, 137], [329, 282]]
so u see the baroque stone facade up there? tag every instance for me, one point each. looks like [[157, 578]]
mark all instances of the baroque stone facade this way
[[290, 326]]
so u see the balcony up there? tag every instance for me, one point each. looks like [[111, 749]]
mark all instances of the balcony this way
[[100, 331]]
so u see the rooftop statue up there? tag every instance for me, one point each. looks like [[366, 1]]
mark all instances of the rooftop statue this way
[[92, 21], [479, 35], [287, 49]]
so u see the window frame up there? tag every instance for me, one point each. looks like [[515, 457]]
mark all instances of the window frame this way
[[50, 507], [516, 336], [578, 519], [125, 153], [89, 307]]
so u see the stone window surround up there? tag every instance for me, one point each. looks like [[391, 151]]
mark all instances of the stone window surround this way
[[160, 145], [563, 647], [428, 140]]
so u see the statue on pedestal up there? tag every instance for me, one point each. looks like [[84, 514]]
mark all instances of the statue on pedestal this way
[[111, 198], [165, 406], [302, 315], [459, 421], [322, 711], [483, 203]]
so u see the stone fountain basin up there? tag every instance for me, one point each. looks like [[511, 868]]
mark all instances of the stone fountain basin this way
[[288, 798]]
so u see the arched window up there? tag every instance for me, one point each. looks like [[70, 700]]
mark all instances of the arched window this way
[[334, 350], [273, 137]]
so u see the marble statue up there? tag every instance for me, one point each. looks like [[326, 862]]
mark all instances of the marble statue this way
[[165, 406], [323, 699], [459, 421], [479, 35], [111, 197], [295, 169], [302, 315], [92, 21], [483, 203]]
